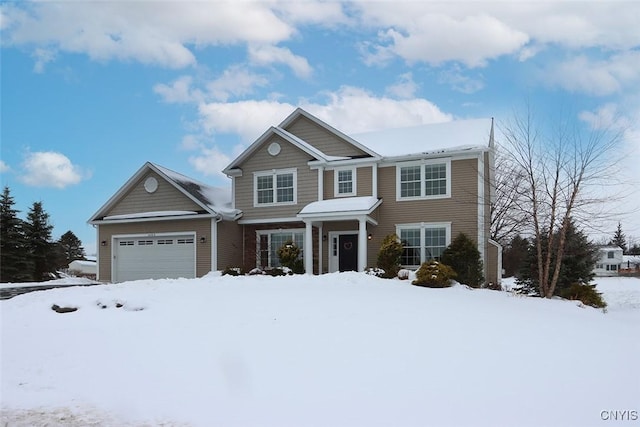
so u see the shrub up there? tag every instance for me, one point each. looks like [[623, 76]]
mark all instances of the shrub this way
[[433, 274], [463, 256], [232, 271], [378, 272], [279, 271], [389, 256], [585, 293], [289, 256]]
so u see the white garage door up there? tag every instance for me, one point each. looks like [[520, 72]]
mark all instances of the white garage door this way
[[155, 257]]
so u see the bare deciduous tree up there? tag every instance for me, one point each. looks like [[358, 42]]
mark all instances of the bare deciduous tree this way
[[563, 171], [506, 219]]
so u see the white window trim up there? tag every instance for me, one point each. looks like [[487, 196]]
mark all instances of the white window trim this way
[[260, 233], [274, 173], [353, 180], [422, 163], [422, 226]]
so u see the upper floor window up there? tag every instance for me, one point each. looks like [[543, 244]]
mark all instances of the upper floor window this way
[[610, 254], [275, 187], [424, 180], [345, 182]]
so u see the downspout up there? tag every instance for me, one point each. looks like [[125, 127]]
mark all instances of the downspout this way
[[481, 213]]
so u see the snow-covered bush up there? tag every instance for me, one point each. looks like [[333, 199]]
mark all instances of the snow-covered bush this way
[[433, 274], [232, 271], [403, 274], [375, 271]]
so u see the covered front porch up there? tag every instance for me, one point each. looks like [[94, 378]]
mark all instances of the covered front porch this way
[[342, 225]]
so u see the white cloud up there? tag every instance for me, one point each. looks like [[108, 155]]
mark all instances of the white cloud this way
[[595, 77], [159, 33], [4, 167], [42, 57], [179, 91], [405, 88], [459, 81], [50, 169], [210, 161], [235, 81], [473, 33], [350, 109], [269, 54]]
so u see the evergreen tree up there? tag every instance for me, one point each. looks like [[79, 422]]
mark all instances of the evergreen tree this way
[[41, 249], [619, 239], [463, 256], [514, 255], [580, 256], [14, 264], [70, 248], [389, 256]]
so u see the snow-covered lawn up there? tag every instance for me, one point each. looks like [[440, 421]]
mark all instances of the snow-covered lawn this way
[[335, 350]]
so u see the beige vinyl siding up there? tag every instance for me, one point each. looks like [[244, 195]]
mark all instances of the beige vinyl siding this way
[[229, 244], [492, 264], [461, 209], [202, 228], [364, 184], [322, 139], [289, 157], [166, 197]]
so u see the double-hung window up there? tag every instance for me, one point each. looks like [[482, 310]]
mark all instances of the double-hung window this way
[[269, 241], [423, 242], [427, 179], [275, 187], [345, 182]]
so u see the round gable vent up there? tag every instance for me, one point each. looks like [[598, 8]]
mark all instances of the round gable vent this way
[[274, 149], [151, 184]]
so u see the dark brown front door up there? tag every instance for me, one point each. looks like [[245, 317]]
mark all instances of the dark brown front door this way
[[348, 252]]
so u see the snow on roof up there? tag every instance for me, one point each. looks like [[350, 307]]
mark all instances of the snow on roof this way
[[429, 139], [341, 205], [216, 198]]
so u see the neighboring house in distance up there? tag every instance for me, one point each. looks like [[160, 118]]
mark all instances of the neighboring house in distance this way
[[630, 265], [609, 261], [336, 196], [86, 268], [163, 224]]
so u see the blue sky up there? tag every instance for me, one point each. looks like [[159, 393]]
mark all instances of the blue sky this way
[[91, 91]]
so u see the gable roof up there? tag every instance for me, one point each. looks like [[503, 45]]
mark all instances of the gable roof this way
[[446, 137], [299, 112], [298, 142], [215, 201]]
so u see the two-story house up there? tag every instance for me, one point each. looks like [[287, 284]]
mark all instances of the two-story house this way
[[609, 261], [336, 196]]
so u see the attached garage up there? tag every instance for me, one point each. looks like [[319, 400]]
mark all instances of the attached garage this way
[[158, 257], [162, 224]]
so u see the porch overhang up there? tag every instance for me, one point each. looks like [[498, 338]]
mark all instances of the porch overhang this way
[[341, 209]]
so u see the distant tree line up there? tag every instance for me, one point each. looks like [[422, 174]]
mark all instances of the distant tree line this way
[[27, 251]]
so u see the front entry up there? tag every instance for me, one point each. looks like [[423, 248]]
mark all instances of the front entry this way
[[348, 252]]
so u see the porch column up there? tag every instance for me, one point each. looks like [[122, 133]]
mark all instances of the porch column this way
[[320, 249], [308, 248], [362, 244]]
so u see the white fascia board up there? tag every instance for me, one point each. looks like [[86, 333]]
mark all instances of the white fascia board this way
[[338, 216], [360, 162], [152, 219], [453, 155], [267, 220]]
